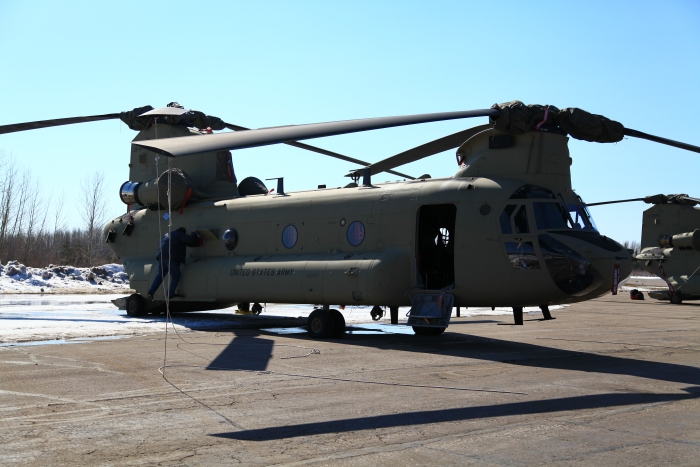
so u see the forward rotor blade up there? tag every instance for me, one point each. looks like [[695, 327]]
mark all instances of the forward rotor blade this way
[[428, 149], [182, 146], [615, 202], [325, 152], [658, 139], [15, 127]]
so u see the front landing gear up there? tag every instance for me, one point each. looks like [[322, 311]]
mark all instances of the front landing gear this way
[[324, 323], [518, 315]]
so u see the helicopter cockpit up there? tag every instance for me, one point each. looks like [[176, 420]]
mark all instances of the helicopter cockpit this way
[[572, 272], [550, 213]]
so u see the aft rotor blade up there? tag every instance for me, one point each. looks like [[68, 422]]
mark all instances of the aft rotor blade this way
[[428, 149], [15, 127], [182, 146], [325, 152], [658, 139], [655, 199]]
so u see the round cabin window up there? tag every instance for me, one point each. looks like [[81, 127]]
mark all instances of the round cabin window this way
[[289, 236], [356, 233], [443, 237], [230, 239]]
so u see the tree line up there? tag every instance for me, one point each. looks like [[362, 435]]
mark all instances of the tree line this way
[[33, 228]]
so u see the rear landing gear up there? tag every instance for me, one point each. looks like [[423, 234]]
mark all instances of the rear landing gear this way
[[135, 305], [676, 299], [326, 323]]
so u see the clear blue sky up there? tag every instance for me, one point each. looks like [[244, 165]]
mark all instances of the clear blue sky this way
[[268, 63]]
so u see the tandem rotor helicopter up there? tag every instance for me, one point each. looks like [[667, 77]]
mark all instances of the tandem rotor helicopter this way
[[670, 244], [509, 212]]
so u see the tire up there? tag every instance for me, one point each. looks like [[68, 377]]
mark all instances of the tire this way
[[319, 324], [338, 323], [256, 309], [423, 331], [135, 305], [676, 299], [377, 313]]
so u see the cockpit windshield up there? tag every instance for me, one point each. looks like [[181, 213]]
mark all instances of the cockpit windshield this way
[[552, 216], [581, 217]]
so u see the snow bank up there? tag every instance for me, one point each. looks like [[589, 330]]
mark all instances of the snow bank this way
[[17, 278]]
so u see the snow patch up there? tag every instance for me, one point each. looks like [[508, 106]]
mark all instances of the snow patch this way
[[17, 278]]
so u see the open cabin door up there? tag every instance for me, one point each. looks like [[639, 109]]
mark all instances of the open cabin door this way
[[435, 255]]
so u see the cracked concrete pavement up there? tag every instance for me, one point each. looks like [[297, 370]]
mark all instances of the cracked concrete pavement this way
[[609, 382]]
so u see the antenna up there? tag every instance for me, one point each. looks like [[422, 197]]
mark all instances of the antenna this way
[[280, 185]]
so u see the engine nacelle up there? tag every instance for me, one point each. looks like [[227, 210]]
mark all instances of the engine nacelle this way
[[684, 241], [154, 193]]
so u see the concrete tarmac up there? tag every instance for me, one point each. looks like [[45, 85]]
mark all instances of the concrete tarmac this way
[[609, 382]]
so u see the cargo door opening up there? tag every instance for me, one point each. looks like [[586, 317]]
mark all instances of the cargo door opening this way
[[435, 246]]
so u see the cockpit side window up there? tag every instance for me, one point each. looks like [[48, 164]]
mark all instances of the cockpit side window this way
[[521, 224], [504, 219], [550, 216]]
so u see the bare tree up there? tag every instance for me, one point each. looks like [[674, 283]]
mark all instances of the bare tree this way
[[93, 212], [7, 200], [36, 221], [58, 226]]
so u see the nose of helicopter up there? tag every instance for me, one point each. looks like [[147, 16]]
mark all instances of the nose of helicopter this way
[[585, 264]]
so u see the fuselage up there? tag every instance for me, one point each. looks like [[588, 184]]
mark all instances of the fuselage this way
[[379, 245]]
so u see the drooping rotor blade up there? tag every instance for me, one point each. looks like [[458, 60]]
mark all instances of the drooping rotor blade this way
[[55, 122], [325, 152], [182, 146], [658, 139], [428, 149]]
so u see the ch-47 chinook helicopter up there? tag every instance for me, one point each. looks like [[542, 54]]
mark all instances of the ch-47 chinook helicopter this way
[[671, 244], [506, 230]]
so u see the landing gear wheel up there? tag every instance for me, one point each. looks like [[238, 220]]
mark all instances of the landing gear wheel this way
[[423, 331], [338, 323], [676, 299], [135, 305], [256, 309], [320, 324], [376, 313]]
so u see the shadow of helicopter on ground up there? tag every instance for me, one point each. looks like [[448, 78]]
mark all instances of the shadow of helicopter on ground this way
[[239, 355], [456, 414]]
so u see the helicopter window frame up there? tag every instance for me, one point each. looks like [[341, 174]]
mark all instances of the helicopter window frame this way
[[355, 233], [289, 231]]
